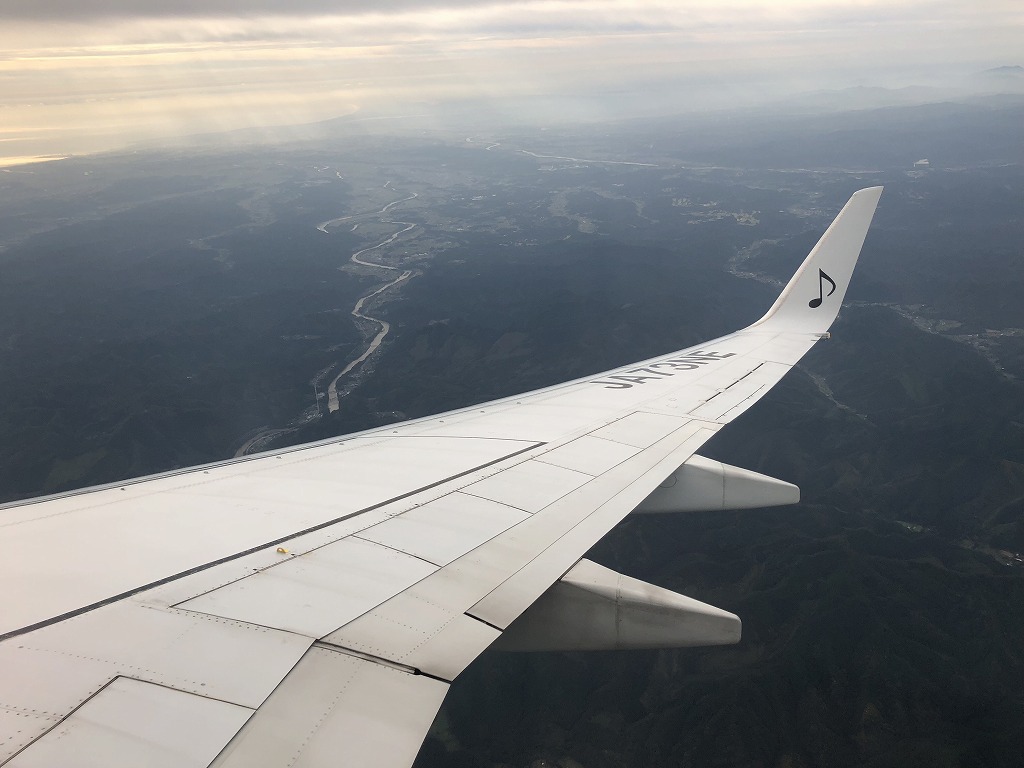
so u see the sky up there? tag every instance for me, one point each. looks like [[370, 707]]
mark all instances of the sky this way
[[79, 76]]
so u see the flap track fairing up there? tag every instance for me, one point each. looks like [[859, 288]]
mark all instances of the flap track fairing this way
[[594, 608], [703, 485]]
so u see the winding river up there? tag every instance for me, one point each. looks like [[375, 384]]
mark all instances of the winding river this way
[[383, 326]]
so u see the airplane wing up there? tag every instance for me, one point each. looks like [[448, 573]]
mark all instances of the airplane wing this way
[[311, 606]]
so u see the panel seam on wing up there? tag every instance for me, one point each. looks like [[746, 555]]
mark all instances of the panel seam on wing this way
[[238, 555]]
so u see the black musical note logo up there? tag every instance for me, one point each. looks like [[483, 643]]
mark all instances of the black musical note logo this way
[[822, 278]]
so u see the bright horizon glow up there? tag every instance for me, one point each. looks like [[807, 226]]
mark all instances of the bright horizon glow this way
[[124, 77]]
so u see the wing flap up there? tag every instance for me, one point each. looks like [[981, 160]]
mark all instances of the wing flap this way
[[131, 723], [337, 709], [56, 668], [425, 627]]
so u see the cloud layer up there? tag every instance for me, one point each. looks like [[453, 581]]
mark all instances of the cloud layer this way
[[117, 69]]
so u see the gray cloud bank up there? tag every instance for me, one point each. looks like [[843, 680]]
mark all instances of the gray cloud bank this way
[[114, 71], [70, 10]]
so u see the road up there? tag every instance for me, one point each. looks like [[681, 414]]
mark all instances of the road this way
[[582, 160], [539, 156], [257, 441]]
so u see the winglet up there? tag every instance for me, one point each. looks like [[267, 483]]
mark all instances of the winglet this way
[[811, 300]]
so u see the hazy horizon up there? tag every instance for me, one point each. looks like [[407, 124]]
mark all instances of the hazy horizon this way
[[78, 78]]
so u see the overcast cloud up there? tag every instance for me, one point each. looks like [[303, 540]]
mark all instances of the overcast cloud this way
[[86, 75], [130, 9]]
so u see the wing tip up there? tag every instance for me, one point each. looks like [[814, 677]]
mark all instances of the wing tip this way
[[868, 192], [811, 299]]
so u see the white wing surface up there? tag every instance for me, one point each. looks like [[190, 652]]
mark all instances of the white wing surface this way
[[310, 607]]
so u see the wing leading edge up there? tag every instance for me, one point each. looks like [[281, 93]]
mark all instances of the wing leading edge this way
[[310, 607]]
